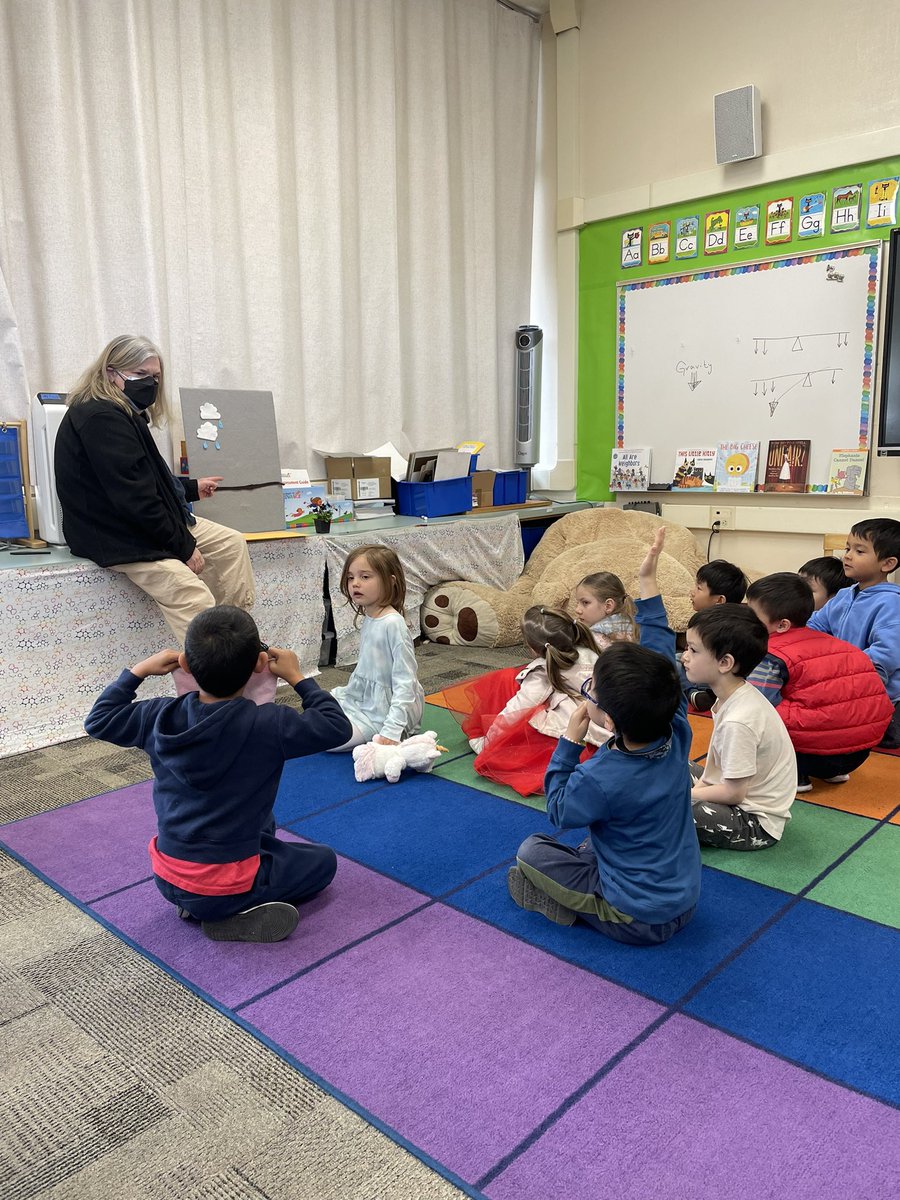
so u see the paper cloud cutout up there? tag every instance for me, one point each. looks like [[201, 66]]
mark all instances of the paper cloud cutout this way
[[207, 432], [209, 412]]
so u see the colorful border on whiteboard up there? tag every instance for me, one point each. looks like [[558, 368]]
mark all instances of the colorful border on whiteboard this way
[[872, 249]]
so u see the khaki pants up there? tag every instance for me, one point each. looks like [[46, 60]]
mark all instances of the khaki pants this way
[[227, 577]]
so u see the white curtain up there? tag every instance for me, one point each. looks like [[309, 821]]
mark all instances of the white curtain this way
[[328, 199]]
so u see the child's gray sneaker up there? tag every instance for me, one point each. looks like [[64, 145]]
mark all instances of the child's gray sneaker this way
[[271, 922], [527, 896]]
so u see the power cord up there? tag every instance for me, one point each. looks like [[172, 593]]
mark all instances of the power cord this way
[[712, 533]]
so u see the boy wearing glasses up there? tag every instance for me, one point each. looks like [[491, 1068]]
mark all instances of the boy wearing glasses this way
[[636, 877], [217, 759]]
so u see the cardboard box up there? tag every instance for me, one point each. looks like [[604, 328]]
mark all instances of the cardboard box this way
[[357, 477], [482, 489], [300, 505]]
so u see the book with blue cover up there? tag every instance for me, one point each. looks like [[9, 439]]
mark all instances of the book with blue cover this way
[[736, 466]]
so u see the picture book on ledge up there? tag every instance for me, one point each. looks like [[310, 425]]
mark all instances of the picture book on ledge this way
[[736, 466], [847, 473], [629, 470], [303, 504], [787, 465], [695, 468]]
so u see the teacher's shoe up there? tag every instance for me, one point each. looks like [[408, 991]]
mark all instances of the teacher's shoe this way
[[271, 922], [527, 896]]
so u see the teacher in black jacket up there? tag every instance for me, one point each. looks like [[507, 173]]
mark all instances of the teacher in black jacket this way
[[121, 504]]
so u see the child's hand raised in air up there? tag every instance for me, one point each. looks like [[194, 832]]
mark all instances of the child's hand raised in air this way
[[163, 662], [647, 571], [285, 665]]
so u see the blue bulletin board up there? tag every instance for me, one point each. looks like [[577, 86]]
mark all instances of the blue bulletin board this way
[[13, 515]]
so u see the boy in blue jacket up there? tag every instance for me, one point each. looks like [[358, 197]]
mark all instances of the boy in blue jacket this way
[[217, 761], [636, 878], [868, 613]]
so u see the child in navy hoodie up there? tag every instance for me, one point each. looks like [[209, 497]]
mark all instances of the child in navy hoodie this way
[[217, 760]]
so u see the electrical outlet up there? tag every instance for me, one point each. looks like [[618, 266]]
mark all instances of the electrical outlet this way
[[724, 517]]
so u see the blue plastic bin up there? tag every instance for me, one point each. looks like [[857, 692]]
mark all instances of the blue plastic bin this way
[[442, 499], [509, 487]]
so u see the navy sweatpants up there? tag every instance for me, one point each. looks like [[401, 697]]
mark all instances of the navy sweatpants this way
[[291, 871]]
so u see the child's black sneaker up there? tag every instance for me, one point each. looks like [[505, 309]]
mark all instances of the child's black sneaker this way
[[803, 784], [527, 896], [271, 922], [702, 699]]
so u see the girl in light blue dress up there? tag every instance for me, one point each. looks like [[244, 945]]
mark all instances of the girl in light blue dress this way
[[383, 699]]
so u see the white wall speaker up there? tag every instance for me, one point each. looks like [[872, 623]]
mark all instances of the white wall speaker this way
[[738, 124]]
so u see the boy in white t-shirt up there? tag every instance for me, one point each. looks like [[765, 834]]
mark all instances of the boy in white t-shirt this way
[[743, 798]]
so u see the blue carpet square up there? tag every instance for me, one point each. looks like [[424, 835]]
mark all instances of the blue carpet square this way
[[311, 784], [730, 909], [424, 831], [820, 988]]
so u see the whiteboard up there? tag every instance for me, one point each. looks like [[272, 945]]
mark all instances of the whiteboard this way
[[781, 348]]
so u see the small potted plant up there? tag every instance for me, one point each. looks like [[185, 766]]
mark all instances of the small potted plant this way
[[322, 513]]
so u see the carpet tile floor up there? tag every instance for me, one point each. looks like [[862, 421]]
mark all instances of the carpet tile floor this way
[[751, 1056]]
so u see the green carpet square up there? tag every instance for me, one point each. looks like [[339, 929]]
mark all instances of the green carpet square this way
[[462, 771], [812, 840], [448, 730], [866, 884]]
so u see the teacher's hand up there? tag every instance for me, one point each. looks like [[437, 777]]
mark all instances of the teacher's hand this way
[[207, 487], [195, 562]]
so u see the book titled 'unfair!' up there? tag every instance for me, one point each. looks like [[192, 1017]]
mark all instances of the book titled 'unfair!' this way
[[787, 465]]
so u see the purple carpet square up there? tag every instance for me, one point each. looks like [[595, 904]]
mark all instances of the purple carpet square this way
[[693, 1114], [455, 1035], [92, 847], [231, 972]]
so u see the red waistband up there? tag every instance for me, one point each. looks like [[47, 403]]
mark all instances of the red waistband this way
[[205, 879]]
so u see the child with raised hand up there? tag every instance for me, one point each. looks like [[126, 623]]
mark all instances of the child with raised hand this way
[[518, 715], [743, 797], [217, 759], [383, 698], [828, 692], [868, 612], [602, 604], [825, 577], [636, 878]]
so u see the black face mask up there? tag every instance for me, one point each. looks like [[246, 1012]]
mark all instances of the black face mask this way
[[140, 392]]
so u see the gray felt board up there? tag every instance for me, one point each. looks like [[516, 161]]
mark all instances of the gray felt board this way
[[244, 450]]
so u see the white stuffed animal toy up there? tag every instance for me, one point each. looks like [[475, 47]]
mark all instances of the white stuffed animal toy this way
[[374, 761]]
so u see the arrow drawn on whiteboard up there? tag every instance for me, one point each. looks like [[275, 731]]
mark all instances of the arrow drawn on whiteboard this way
[[693, 379], [800, 378], [761, 344]]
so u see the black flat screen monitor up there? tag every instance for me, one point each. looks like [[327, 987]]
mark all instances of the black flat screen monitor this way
[[889, 418]]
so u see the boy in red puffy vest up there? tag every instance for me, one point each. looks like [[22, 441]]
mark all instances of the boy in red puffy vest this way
[[828, 692]]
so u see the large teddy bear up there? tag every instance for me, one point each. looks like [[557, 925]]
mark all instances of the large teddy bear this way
[[595, 539]]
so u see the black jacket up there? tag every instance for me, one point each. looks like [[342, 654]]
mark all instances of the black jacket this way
[[118, 497]]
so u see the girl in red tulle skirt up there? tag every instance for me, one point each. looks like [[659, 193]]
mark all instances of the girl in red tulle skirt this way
[[518, 715]]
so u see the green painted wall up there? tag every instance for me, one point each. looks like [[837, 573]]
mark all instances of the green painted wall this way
[[600, 269]]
